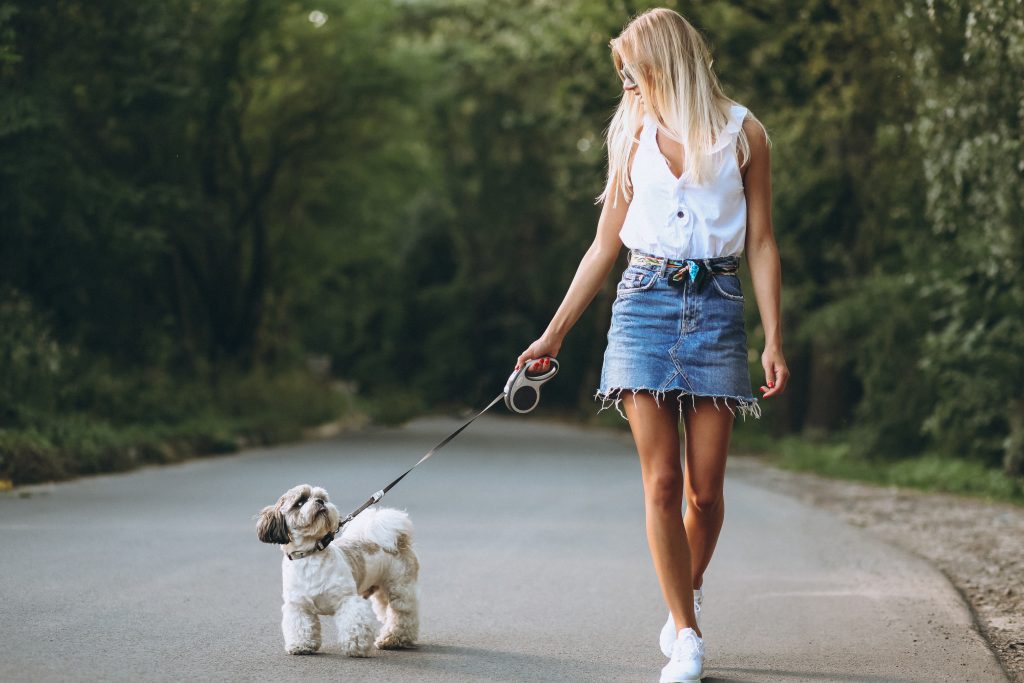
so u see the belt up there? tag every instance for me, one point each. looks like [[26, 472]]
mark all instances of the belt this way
[[694, 270]]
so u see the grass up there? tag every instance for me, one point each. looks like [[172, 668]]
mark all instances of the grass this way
[[173, 423], [835, 457]]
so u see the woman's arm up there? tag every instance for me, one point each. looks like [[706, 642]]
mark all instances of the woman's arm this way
[[763, 256], [590, 275]]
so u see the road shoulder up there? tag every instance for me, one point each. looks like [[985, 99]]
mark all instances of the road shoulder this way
[[975, 544]]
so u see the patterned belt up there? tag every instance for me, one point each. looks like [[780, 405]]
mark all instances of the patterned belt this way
[[696, 270], [714, 264]]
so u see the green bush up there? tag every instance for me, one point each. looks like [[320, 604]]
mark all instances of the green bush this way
[[31, 361], [27, 456], [260, 407], [395, 407]]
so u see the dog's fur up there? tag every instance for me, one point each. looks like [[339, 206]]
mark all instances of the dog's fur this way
[[368, 574]]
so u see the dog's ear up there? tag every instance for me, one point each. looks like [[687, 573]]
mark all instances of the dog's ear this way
[[271, 527]]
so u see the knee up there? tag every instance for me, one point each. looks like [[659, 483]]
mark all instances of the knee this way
[[705, 500], [664, 491]]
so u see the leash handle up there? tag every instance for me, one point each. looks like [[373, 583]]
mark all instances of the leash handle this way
[[522, 390]]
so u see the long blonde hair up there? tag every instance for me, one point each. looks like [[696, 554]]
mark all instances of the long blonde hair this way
[[671, 64]]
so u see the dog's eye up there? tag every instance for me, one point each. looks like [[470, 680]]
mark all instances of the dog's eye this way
[[302, 501]]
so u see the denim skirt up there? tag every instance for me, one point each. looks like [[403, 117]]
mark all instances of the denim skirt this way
[[676, 334]]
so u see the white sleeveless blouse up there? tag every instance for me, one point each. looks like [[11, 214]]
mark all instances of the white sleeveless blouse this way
[[671, 217]]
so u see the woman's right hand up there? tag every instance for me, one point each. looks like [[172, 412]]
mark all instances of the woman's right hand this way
[[544, 346]]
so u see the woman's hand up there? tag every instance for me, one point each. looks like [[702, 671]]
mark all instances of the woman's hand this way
[[775, 371], [545, 346]]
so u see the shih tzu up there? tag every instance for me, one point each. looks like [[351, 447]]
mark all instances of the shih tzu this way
[[365, 579]]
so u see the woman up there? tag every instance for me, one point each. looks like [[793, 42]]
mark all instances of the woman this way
[[689, 179]]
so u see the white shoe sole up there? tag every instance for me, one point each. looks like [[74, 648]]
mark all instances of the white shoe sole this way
[[681, 680]]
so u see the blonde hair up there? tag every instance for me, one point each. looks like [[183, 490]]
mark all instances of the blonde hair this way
[[671, 64]]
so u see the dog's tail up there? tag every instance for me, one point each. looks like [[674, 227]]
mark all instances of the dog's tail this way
[[389, 528]]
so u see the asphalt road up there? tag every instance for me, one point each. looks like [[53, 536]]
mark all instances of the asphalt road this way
[[534, 568]]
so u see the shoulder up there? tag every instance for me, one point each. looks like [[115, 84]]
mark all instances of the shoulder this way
[[753, 130], [756, 134], [757, 139]]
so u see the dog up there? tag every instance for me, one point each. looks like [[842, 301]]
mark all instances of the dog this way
[[365, 578]]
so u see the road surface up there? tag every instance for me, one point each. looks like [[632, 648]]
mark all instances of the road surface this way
[[534, 568]]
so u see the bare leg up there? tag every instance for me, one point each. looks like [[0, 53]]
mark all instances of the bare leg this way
[[656, 433], [707, 443]]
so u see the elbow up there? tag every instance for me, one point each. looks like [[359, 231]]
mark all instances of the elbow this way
[[760, 242], [602, 255]]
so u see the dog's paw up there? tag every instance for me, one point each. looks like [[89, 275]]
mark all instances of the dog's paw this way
[[358, 642], [356, 648], [394, 641], [302, 649]]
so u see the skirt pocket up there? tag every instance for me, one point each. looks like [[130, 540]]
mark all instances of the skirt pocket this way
[[728, 285], [636, 279]]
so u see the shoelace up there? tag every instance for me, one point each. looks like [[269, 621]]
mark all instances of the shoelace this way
[[689, 646]]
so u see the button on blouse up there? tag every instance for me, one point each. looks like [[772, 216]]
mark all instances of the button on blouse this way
[[671, 217]]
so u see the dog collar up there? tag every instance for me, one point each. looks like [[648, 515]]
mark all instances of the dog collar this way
[[320, 545]]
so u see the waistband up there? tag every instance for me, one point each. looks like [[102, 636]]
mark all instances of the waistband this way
[[717, 264]]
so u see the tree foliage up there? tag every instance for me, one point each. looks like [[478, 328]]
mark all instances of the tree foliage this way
[[969, 65], [192, 189]]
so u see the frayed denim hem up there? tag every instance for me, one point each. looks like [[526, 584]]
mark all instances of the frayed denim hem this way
[[746, 406]]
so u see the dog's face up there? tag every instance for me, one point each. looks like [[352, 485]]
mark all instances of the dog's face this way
[[302, 514]]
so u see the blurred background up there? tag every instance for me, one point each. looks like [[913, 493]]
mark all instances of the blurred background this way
[[224, 222]]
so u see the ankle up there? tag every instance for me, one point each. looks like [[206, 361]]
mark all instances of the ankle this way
[[681, 626], [679, 632]]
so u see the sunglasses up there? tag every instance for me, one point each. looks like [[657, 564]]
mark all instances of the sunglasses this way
[[628, 82]]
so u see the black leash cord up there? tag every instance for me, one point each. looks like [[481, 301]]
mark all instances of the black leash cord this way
[[380, 494]]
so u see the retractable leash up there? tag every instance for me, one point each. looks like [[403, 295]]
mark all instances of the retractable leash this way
[[522, 390], [521, 394]]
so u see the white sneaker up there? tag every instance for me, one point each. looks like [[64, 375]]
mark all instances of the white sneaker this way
[[668, 631], [687, 662]]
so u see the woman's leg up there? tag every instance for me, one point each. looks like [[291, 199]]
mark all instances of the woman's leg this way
[[656, 433], [707, 443]]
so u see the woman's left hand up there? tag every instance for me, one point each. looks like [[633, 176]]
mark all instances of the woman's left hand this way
[[775, 371]]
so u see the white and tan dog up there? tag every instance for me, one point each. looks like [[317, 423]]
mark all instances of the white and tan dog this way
[[365, 579]]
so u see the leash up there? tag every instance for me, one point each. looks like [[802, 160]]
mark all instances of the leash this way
[[375, 498], [521, 395], [326, 540]]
